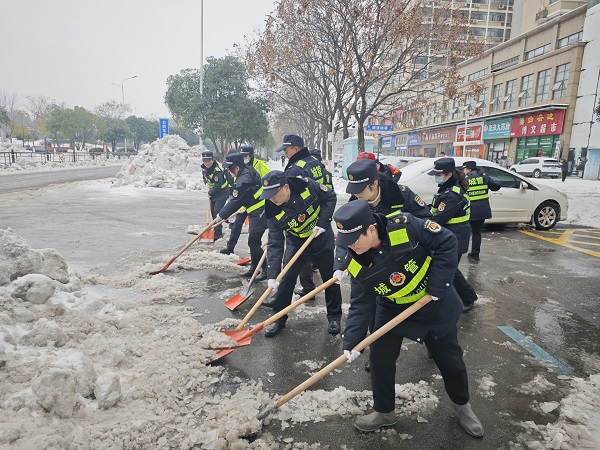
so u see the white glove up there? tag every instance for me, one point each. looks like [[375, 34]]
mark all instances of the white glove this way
[[351, 355], [320, 231], [218, 218], [340, 275], [273, 284]]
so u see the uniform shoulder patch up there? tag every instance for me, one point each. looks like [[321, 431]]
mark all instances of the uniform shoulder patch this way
[[419, 201], [441, 207], [216, 177], [432, 226], [403, 188], [323, 187], [235, 193]]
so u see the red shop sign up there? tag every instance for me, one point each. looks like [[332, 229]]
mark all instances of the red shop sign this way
[[538, 124]]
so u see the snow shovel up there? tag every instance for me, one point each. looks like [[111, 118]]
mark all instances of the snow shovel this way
[[232, 334], [213, 224], [240, 298], [265, 411], [208, 236], [243, 336], [243, 261]]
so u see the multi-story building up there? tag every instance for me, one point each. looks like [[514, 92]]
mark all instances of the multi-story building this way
[[524, 105]]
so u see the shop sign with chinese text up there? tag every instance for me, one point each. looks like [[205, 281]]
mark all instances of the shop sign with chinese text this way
[[496, 129], [439, 136], [538, 124]]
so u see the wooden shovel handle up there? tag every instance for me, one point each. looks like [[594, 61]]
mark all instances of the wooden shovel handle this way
[[278, 279], [208, 214], [260, 263], [361, 346]]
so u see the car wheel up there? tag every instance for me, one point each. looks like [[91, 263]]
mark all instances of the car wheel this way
[[546, 216], [537, 173]]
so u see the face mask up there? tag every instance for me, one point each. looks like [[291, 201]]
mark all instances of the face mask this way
[[439, 179], [247, 160]]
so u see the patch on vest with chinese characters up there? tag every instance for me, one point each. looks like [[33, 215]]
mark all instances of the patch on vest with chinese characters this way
[[419, 201], [397, 279], [234, 193], [441, 207], [324, 188], [432, 226]]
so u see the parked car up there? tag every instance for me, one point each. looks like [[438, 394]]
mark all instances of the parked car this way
[[95, 151], [519, 201], [538, 167]]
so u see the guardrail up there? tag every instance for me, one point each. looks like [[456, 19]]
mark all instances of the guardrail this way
[[10, 157]]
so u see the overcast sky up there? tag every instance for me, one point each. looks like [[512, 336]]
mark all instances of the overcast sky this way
[[72, 50]]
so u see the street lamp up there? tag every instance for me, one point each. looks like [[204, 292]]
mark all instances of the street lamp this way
[[123, 98]]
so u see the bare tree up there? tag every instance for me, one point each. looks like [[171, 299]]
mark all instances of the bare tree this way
[[113, 110], [10, 104]]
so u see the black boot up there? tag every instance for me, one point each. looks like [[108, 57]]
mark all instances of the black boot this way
[[248, 273], [262, 276], [226, 251]]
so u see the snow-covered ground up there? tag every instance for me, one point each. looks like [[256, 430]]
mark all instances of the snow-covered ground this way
[[84, 363]]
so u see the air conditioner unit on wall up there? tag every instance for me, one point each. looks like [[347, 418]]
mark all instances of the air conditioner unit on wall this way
[[501, 6]]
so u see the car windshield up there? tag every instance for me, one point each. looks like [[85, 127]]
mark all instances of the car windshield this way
[[415, 169]]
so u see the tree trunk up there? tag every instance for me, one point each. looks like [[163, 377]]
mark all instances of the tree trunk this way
[[361, 138]]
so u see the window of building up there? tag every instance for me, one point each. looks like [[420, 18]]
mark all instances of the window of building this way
[[479, 32], [478, 74], [455, 109], [570, 39], [495, 32], [543, 86], [526, 87], [537, 52], [497, 17], [496, 97], [559, 90], [481, 102], [509, 98]]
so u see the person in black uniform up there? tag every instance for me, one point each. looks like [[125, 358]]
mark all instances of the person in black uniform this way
[[479, 186], [383, 195], [395, 262], [218, 187], [451, 209], [302, 163], [296, 207], [246, 194]]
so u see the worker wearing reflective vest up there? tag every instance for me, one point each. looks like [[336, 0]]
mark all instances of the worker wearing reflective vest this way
[[218, 187], [237, 225], [479, 186], [295, 207], [451, 209], [302, 163], [246, 194], [394, 262]]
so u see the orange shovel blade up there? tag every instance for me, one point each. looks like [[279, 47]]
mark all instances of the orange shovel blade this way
[[243, 261], [235, 301], [208, 237]]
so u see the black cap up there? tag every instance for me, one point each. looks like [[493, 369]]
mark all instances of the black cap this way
[[442, 165], [234, 159], [291, 139], [271, 183], [361, 173], [351, 220], [470, 165], [247, 150], [317, 154], [207, 155]]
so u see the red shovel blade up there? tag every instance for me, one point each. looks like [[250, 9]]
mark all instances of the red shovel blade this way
[[235, 301], [243, 261]]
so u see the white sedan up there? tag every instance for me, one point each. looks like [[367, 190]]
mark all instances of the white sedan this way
[[520, 200]]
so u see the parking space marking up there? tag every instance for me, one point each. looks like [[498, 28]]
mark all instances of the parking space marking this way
[[571, 238], [537, 351]]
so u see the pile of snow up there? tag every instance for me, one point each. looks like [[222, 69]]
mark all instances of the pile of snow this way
[[166, 163], [35, 163]]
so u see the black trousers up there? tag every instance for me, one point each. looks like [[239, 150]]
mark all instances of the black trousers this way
[[306, 277], [216, 205], [465, 291], [236, 230], [564, 175], [476, 226], [445, 352], [258, 225], [323, 261]]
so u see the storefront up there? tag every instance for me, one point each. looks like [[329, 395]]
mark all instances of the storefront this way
[[401, 144], [432, 141], [387, 145], [538, 134], [471, 145], [496, 137], [413, 142]]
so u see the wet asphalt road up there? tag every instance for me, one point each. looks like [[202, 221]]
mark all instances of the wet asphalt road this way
[[545, 291]]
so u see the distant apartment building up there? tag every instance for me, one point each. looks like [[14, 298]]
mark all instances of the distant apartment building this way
[[527, 101]]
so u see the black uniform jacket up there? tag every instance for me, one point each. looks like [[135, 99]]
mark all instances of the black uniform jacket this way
[[450, 204], [242, 195], [293, 170], [480, 209], [279, 238], [215, 175], [437, 317]]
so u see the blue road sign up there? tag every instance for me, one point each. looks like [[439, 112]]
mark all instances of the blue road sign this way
[[380, 128], [164, 127]]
